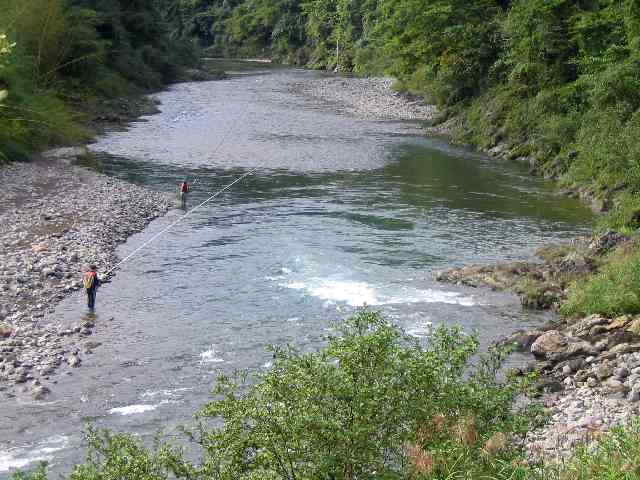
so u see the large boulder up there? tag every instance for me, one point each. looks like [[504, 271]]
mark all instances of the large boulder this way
[[556, 347], [549, 343]]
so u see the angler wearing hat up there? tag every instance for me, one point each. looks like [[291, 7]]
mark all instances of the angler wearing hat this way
[[91, 283]]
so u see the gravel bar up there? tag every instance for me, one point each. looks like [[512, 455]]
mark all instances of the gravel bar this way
[[55, 220], [370, 98]]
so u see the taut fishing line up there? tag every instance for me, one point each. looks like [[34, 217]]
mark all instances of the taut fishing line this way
[[170, 226]]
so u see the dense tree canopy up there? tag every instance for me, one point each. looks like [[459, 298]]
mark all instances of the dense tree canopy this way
[[56, 53]]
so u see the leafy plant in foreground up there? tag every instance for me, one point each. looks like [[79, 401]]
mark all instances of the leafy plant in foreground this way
[[366, 406]]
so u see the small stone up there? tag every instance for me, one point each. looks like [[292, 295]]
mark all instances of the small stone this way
[[619, 322], [615, 386], [603, 371], [621, 372], [601, 345], [592, 382], [74, 361], [566, 370]]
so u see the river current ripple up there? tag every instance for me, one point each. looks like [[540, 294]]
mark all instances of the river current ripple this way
[[340, 212]]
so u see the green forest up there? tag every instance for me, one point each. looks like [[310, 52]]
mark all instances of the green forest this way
[[56, 56]]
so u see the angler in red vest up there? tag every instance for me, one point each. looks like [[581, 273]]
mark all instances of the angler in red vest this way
[[91, 283], [183, 191]]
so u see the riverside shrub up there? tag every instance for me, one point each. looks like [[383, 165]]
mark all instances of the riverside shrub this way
[[373, 403], [615, 290]]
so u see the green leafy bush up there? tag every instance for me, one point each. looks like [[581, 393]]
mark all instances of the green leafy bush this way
[[369, 405], [117, 456], [624, 216]]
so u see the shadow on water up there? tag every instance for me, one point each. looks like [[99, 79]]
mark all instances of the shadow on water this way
[[494, 188]]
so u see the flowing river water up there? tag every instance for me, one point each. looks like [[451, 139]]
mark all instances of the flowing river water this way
[[340, 212]]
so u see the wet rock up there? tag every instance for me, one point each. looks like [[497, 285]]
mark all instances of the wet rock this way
[[74, 361], [522, 340], [40, 392]]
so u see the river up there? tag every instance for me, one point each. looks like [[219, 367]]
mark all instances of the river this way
[[340, 212]]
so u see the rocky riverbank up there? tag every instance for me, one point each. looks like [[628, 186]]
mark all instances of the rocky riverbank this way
[[368, 98], [55, 219], [590, 367]]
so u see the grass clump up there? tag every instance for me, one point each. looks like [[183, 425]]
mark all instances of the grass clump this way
[[624, 217], [615, 290], [555, 252]]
